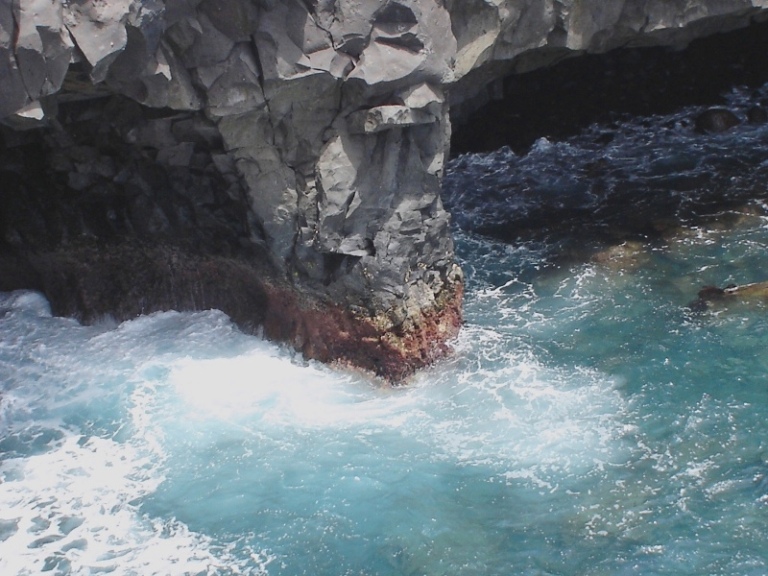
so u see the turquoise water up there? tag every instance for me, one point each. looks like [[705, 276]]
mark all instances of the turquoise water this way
[[587, 424]]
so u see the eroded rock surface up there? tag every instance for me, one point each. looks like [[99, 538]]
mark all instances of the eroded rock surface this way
[[289, 152]]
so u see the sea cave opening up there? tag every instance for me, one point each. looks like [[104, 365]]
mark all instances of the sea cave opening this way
[[603, 151]]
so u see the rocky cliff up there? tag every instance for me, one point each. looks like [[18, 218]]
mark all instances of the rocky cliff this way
[[280, 160]]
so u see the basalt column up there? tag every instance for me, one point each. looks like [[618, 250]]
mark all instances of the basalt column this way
[[342, 145]]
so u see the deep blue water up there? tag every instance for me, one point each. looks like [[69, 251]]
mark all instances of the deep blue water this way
[[587, 424]]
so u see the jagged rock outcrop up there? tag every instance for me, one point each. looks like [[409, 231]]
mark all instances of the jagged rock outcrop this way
[[292, 147]]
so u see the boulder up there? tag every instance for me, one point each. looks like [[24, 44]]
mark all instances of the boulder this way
[[715, 120]]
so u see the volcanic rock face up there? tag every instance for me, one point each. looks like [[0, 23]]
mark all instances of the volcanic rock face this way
[[280, 159]]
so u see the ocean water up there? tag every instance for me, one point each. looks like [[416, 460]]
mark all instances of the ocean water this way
[[588, 422]]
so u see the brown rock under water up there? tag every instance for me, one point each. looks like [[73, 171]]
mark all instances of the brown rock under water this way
[[329, 333], [745, 293], [124, 280]]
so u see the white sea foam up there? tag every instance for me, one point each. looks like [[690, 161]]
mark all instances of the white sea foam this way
[[520, 415], [72, 510], [75, 466], [25, 300], [270, 387]]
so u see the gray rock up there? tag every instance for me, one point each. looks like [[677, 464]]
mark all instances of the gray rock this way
[[99, 31], [387, 117]]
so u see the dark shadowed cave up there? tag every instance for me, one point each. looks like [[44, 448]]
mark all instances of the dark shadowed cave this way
[[595, 98], [118, 210], [558, 101]]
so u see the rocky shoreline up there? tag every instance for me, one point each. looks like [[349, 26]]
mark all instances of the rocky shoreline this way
[[279, 161]]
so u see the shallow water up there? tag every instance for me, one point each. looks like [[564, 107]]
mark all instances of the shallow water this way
[[587, 424]]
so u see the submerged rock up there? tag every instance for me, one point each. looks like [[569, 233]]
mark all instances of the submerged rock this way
[[710, 296], [628, 255], [715, 120]]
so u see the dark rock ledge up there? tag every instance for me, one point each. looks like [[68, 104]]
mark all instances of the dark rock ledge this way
[[279, 160]]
